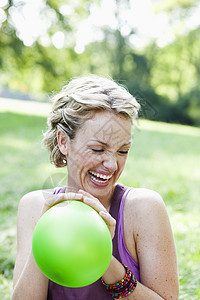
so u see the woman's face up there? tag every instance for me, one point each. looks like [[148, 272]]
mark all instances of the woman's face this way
[[97, 155]]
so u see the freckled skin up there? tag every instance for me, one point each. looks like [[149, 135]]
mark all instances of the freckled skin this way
[[147, 231], [110, 161]]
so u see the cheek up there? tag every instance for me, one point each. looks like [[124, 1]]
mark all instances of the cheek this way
[[122, 163], [90, 160], [83, 160]]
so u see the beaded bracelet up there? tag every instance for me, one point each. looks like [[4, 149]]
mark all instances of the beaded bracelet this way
[[122, 288]]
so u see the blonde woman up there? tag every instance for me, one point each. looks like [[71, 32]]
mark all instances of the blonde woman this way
[[89, 132]]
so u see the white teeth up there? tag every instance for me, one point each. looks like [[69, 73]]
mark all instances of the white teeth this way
[[100, 181], [101, 175]]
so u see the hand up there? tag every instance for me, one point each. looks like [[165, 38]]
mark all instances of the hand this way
[[98, 206], [51, 199]]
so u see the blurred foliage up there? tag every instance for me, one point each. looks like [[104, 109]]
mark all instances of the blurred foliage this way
[[176, 76], [164, 80], [171, 5]]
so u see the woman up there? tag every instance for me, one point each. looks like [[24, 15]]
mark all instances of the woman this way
[[90, 129]]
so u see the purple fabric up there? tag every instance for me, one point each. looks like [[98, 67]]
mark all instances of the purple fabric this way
[[125, 256], [96, 291]]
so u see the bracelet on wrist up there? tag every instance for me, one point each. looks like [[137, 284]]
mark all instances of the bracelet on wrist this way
[[124, 287]]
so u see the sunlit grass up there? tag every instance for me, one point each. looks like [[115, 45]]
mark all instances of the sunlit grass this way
[[27, 107], [163, 157]]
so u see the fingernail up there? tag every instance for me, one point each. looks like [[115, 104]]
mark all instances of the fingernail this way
[[103, 212]]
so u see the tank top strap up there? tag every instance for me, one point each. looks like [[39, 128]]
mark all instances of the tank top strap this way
[[58, 190], [119, 195]]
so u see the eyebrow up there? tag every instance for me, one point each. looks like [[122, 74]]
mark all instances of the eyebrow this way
[[105, 144]]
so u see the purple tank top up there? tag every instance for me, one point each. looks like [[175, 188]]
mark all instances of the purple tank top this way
[[97, 291]]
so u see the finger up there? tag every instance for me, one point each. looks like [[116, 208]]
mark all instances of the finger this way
[[73, 196], [86, 194], [51, 200], [107, 217], [94, 203], [110, 222]]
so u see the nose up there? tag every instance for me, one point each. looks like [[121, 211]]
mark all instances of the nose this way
[[110, 162]]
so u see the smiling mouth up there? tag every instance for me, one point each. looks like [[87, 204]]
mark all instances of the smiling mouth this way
[[99, 177]]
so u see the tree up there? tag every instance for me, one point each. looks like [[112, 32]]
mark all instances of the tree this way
[[164, 79], [37, 67]]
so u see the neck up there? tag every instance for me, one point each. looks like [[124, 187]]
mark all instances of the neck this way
[[106, 200]]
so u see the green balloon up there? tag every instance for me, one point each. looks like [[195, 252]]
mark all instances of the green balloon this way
[[71, 244]]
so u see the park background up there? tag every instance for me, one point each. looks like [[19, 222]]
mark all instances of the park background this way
[[152, 48]]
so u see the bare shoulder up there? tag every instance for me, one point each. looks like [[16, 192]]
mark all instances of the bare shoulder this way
[[145, 206], [30, 206], [29, 212], [140, 199], [30, 199]]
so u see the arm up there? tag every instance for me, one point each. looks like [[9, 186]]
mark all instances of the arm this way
[[155, 249], [150, 232], [28, 281]]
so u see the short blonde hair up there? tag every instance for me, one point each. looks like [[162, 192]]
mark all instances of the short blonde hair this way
[[77, 102]]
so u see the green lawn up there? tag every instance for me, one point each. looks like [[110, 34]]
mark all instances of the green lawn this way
[[164, 157]]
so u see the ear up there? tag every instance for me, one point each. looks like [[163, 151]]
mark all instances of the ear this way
[[62, 140]]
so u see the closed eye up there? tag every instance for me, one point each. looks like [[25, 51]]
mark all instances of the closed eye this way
[[102, 150], [97, 150], [123, 152]]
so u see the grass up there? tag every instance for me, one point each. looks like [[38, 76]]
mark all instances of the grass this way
[[164, 157]]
